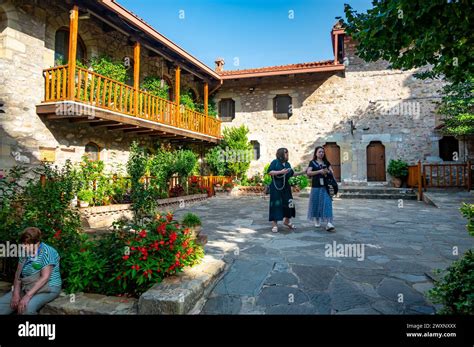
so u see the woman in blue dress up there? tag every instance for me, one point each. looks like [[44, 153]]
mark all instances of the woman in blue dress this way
[[320, 203], [281, 200]]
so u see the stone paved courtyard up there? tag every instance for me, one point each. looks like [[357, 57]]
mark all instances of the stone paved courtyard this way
[[289, 273]]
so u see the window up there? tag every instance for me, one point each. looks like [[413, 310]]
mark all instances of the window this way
[[227, 110], [61, 47], [448, 146], [92, 151], [282, 106], [256, 150]]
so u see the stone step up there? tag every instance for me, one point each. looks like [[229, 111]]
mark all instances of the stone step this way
[[377, 196], [376, 190], [90, 304]]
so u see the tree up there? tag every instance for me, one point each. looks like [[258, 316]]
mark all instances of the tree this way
[[413, 34], [457, 108], [237, 150]]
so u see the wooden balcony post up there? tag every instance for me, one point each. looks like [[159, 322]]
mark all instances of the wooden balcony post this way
[[206, 103], [72, 53], [420, 182], [177, 91], [136, 75]]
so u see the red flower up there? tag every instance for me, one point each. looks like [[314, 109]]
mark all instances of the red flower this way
[[142, 233], [169, 217], [125, 257], [173, 237], [161, 228], [57, 235], [136, 267], [162, 242]]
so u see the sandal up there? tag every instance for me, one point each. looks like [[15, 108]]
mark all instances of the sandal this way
[[274, 229], [290, 226]]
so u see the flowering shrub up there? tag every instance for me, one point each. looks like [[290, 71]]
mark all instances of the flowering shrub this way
[[158, 249]]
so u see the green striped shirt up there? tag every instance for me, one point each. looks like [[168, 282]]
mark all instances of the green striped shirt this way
[[47, 256]]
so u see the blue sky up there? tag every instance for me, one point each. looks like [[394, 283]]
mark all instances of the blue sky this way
[[247, 33]]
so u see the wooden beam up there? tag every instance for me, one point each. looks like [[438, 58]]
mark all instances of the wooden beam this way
[[206, 98], [85, 120], [138, 130], [105, 123], [122, 127], [136, 74], [72, 53], [177, 89], [132, 122]]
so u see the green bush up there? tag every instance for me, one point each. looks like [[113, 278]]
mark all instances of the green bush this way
[[301, 181], [108, 67], [191, 220], [397, 168], [152, 84], [215, 161], [155, 250], [456, 289], [467, 211], [86, 195]]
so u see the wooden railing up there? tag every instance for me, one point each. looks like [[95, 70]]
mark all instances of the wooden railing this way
[[56, 83], [423, 176], [210, 181], [102, 92]]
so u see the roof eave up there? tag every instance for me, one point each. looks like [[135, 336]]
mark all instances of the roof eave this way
[[335, 67], [127, 15]]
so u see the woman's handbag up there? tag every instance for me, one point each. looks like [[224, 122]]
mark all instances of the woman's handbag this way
[[331, 182]]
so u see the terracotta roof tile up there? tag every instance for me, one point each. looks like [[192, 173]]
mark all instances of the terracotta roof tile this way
[[298, 66]]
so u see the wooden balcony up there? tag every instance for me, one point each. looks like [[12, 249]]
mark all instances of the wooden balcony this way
[[104, 102]]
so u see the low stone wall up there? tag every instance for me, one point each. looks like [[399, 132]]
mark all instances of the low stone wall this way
[[104, 216], [248, 190], [179, 294]]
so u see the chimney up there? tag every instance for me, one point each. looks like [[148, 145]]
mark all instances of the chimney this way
[[219, 64]]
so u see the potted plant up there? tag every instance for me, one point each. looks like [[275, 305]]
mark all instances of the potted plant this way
[[193, 222], [228, 187], [398, 169], [85, 197]]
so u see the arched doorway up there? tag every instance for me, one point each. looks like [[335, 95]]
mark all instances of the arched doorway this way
[[376, 162], [61, 47], [333, 154]]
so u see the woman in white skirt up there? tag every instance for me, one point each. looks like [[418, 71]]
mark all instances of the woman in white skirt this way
[[320, 203]]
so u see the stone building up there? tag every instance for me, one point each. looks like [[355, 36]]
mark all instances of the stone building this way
[[36, 35], [364, 113]]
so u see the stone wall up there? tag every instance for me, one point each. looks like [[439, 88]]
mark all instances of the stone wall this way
[[27, 35], [385, 105]]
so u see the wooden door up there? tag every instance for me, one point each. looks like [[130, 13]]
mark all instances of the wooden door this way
[[333, 154], [376, 162]]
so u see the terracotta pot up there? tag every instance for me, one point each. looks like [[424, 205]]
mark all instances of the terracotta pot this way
[[397, 182], [196, 230], [83, 204]]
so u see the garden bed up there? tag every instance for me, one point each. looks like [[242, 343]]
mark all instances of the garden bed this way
[[104, 216]]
